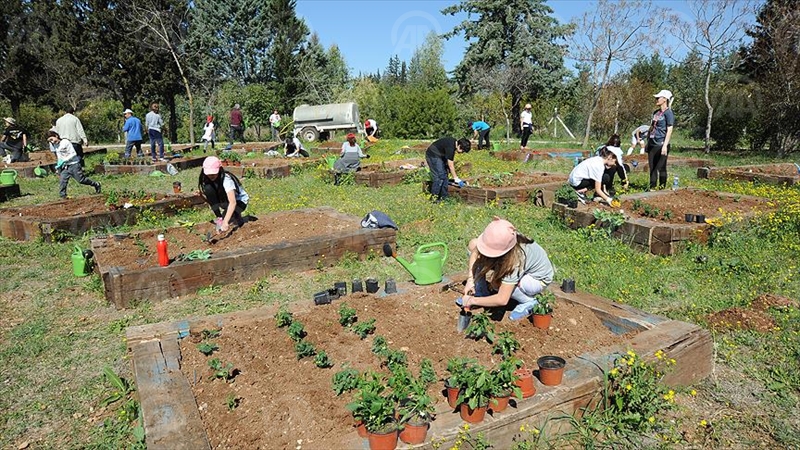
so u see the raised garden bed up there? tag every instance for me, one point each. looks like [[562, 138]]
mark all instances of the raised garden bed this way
[[283, 403], [74, 217], [517, 187], [388, 173], [784, 173], [7, 192], [656, 221], [537, 155], [137, 167], [261, 168], [639, 163], [290, 240]]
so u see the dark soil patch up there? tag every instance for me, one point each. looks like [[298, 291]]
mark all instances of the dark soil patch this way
[[139, 250], [517, 179], [75, 206], [692, 201], [394, 166], [284, 401]]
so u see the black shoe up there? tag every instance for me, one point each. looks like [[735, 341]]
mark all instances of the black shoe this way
[[97, 188], [581, 197]]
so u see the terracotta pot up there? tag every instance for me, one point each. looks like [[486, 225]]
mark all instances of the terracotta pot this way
[[551, 370], [452, 395], [414, 434], [361, 429], [525, 382], [225, 163], [499, 404], [387, 441], [541, 320], [470, 415]]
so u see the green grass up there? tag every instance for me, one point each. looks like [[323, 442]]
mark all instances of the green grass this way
[[57, 333]]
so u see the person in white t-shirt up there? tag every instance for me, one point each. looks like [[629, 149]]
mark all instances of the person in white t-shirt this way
[[638, 138], [621, 169], [589, 175], [526, 125], [275, 124], [371, 128]]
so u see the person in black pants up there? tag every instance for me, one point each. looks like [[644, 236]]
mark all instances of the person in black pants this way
[[659, 137], [440, 156], [621, 169], [221, 190]]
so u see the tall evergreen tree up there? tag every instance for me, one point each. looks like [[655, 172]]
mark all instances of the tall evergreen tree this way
[[426, 69]]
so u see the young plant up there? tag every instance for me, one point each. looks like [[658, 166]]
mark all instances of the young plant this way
[[396, 358], [503, 378], [207, 348], [304, 349], [230, 156], [347, 315], [478, 387], [283, 318], [566, 193], [457, 367], [610, 219], [221, 370], [418, 407], [376, 411], [667, 214], [322, 361], [296, 331], [426, 373], [637, 205], [210, 334], [363, 329], [400, 380], [121, 387], [380, 346], [232, 401], [545, 302], [112, 198], [481, 327], [346, 380], [505, 345]]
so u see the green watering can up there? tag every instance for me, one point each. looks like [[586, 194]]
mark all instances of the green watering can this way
[[81, 262], [8, 177], [427, 265], [330, 160]]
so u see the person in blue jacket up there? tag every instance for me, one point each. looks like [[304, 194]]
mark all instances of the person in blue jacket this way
[[480, 131], [133, 134]]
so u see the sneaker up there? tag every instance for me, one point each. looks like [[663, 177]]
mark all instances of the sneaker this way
[[97, 188], [581, 197], [522, 311], [162, 159]]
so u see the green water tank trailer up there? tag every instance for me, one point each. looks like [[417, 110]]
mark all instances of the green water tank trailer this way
[[312, 122]]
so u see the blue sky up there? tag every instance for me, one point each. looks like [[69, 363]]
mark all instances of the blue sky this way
[[368, 32]]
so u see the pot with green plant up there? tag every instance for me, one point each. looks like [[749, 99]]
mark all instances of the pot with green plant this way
[[504, 380], [377, 412], [416, 413], [566, 195], [542, 313], [230, 159], [478, 389], [454, 383]]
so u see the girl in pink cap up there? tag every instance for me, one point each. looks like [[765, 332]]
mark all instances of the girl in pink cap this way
[[505, 265], [222, 191]]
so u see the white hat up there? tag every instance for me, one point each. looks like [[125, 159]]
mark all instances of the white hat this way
[[127, 111], [664, 93], [10, 120]]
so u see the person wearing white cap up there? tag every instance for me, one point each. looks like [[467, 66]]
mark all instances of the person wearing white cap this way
[[505, 265], [222, 191], [133, 134], [637, 138], [13, 142], [526, 125], [613, 146], [659, 137]]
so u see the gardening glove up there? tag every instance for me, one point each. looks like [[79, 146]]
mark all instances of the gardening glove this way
[[609, 200], [458, 181], [626, 184]]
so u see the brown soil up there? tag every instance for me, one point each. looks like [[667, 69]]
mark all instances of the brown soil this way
[[518, 179], [73, 207], [139, 250], [692, 201], [284, 401], [770, 169], [392, 166], [755, 318]]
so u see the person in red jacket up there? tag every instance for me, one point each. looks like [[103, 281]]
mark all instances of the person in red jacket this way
[[237, 124]]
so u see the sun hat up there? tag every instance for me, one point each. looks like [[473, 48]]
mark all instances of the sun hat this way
[[211, 165], [497, 239], [10, 120], [351, 136], [664, 93], [127, 111], [527, 106]]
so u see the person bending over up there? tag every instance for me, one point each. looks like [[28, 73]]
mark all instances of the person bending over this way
[[589, 174], [223, 192]]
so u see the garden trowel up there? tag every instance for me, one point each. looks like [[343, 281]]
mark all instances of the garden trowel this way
[[464, 316]]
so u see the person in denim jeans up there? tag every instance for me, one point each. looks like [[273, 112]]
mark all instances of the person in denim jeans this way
[[440, 156], [154, 122], [505, 265], [133, 134]]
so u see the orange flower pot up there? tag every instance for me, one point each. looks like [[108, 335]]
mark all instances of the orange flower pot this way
[[383, 441], [452, 395], [414, 434], [470, 415], [499, 404], [525, 382], [551, 370], [541, 320], [362, 429]]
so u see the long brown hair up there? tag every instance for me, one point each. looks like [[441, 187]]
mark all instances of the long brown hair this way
[[495, 269]]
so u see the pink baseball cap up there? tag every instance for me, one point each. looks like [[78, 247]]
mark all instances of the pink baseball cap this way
[[497, 239], [211, 165]]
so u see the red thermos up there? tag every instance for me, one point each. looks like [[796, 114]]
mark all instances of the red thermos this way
[[163, 256]]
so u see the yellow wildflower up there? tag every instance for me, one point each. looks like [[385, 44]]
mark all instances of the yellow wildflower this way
[[703, 423], [466, 427], [628, 387], [651, 419], [613, 372], [659, 354], [693, 393], [522, 427], [631, 354], [536, 431]]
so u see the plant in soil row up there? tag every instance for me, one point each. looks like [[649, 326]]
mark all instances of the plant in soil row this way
[[232, 401], [396, 358], [347, 315], [427, 374], [112, 199], [346, 380], [222, 370], [364, 329], [542, 312], [296, 331], [504, 381], [207, 348], [373, 412], [283, 318], [416, 412], [478, 388], [457, 367], [481, 327], [322, 360], [380, 346], [505, 345], [304, 349]]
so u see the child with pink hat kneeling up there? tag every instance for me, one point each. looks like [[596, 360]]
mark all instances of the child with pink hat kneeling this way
[[223, 192], [505, 265]]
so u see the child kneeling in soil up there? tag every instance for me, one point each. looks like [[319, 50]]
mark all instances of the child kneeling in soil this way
[[589, 174], [505, 265], [69, 164], [222, 190]]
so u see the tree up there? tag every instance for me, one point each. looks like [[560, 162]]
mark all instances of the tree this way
[[288, 33], [520, 34], [509, 83], [426, 69], [611, 32], [652, 70], [715, 25]]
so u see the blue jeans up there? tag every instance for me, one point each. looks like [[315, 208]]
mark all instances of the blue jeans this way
[[156, 140], [520, 295], [438, 167]]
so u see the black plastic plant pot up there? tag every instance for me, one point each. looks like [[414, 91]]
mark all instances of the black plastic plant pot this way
[[356, 286], [700, 218], [333, 293], [568, 285], [341, 288], [573, 204], [391, 286], [372, 285], [690, 218], [562, 200], [321, 298]]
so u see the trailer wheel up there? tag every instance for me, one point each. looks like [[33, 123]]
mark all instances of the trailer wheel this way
[[309, 134]]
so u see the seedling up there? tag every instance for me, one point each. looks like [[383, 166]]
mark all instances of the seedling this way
[[545, 303], [364, 328], [283, 318], [426, 373], [221, 370], [400, 380], [207, 348], [296, 331], [208, 334], [506, 344], [380, 346], [121, 387], [637, 205], [196, 255], [346, 380], [396, 358], [112, 198], [322, 361], [304, 349], [347, 316], [142, 246], [667, 215], [481, 327], [232, 401]]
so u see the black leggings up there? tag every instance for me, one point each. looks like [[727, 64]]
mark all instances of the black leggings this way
[[219, 203], [526, 133], [658, 164]]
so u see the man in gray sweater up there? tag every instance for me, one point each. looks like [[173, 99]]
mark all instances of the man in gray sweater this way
[[154, 122]]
